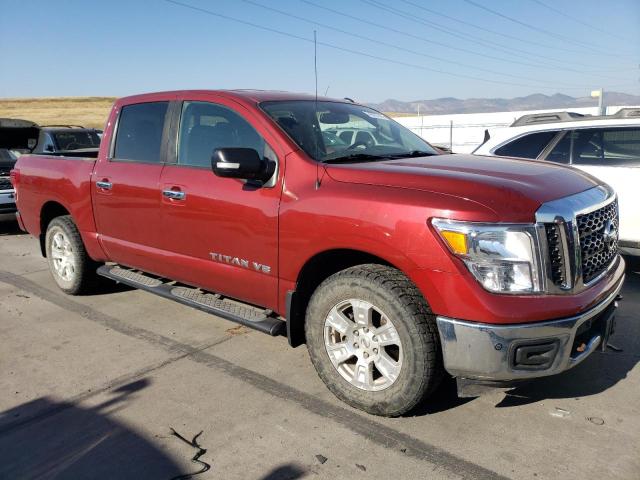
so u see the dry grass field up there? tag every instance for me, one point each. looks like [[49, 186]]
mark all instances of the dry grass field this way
[[85, 111]]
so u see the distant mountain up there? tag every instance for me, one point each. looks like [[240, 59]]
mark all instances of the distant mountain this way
[[536, 101]]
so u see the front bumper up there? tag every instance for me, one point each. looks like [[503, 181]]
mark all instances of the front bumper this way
[[518, 351]]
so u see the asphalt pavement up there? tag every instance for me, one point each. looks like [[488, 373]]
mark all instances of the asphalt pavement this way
[[123, 384]]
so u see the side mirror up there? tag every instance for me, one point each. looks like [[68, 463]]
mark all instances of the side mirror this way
[[244, 163]]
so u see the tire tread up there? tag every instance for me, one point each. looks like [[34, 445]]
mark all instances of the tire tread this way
[[423, 325]]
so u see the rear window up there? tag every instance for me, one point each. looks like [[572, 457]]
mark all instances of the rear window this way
[[529, 146], [139, 134]]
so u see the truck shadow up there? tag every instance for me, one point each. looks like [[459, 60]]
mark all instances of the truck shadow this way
[[287, 471], [9, 226], [45, 438], [600, 371]]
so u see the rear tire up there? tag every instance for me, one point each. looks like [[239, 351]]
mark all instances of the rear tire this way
[[385, 351], [70, 265]]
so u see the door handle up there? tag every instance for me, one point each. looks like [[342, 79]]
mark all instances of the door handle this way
[[104, 185], [174, 194]]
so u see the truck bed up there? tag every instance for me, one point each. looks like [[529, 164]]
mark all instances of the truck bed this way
[[50, 179]]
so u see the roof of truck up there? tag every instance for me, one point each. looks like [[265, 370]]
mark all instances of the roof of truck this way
[[254, 96]]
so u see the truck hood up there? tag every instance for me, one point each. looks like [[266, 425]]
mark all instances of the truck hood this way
[[513, 188]]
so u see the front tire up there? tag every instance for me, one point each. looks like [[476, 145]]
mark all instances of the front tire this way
[[373, 341], [70, 265]]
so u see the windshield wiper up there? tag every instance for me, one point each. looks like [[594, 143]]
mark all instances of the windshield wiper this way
[[354, 157], [413, 153]]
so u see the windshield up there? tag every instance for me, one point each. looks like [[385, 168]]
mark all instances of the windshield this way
[[337, 131], [75, 139]]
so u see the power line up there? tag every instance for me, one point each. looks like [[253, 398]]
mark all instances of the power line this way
[[581, 22], [450, 31], [496, 32], [430, 41], [589, 46], [391, 45], [354, 52], [465, 36]]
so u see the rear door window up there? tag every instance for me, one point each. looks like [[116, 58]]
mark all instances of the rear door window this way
[[139, 133], [529, 146], [607, 147]]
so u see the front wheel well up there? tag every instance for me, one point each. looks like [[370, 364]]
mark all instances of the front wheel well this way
[[50, 210], [312, 274]]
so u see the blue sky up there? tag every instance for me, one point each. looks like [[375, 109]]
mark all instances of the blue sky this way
[[370, 50]]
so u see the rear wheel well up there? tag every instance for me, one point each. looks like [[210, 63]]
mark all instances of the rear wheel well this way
[[313, 273], [50, 210]]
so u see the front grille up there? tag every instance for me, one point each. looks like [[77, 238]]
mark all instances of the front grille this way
[[5, 183], [556, 258], [598, 232]]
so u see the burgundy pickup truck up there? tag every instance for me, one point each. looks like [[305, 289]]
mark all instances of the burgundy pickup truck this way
[[326, 221]]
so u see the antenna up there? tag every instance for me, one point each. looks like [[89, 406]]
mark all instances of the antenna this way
[[315, 72]]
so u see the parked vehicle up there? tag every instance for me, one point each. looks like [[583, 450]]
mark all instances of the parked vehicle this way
[[7, 194], [607, 147], [393, 263], [16, 136], [362, 136], [68, 140]]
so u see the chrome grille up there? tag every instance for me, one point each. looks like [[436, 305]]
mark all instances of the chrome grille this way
[[5, 183], [598, 233], [556, 259]]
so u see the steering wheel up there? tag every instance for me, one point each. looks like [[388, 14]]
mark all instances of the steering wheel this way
[[73, 144], [358, 144]]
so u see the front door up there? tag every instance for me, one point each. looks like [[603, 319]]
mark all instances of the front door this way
[[126, 196], [222, 232]]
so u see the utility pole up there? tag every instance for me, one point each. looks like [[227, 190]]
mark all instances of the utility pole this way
[[602, 109]]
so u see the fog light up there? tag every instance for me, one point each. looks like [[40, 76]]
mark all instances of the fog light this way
[[535, 357]]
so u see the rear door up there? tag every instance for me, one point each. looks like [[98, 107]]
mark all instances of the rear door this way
[[222, 233], [613, 156], [126, 186]]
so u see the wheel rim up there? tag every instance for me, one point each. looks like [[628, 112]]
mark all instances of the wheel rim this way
[[62, 256], [363, 345]]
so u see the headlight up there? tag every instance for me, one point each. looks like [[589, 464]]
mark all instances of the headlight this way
[[503, 258]]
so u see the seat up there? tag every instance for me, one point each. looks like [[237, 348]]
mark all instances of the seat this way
[[201, 141], [346, 136], [364, 138]]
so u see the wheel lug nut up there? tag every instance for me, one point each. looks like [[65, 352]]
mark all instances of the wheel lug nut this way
[[355, 345], [365, 330], [356, 333], [374, 338], [375, 350], [365, 355]]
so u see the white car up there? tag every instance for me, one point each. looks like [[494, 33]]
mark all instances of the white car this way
[[607, 147]]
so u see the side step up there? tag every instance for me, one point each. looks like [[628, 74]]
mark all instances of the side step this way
[[213, 303]]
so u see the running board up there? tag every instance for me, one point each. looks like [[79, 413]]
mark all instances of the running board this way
[[213, 303]]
